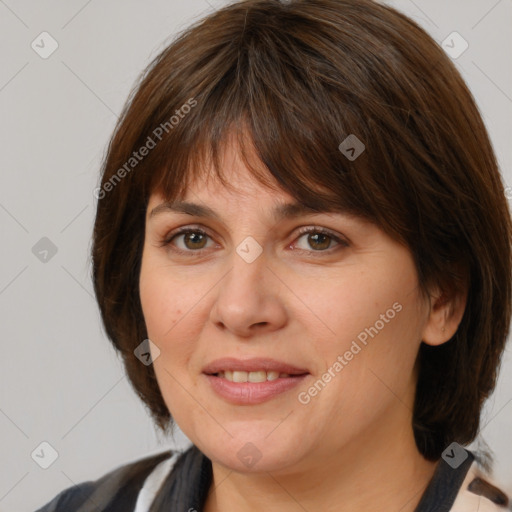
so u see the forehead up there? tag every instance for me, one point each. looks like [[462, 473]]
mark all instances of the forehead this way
[[240, 187], [278, 212], [239, 181]]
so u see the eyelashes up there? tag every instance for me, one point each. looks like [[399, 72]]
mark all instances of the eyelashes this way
[[318, 240], [321, 234], [184, 232]]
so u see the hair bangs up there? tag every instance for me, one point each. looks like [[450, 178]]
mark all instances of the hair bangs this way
[[282, 140]]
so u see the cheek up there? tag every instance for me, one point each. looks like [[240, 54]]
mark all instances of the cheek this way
[[174, 312], [166, 302], [375, 320], [365, 299], [160, 313]]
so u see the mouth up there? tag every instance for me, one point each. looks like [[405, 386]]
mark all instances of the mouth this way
[[253, 376], [252, 381]]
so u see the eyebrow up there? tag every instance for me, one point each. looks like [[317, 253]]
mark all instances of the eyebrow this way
[[280, 212]]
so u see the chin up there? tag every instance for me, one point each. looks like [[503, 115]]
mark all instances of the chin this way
[[255, 453]]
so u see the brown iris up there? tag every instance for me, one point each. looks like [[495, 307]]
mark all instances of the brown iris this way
[[197, 240], [323, 241]]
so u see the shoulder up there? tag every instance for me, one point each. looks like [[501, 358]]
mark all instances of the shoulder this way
[[479, 492], [121, 485], [459, 484]]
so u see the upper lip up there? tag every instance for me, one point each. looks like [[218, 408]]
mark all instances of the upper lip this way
[[252, 365]]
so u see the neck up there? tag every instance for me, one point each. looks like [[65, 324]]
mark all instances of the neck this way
[[379, 470]]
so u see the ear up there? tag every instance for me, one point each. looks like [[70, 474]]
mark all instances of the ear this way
[[446, 311]]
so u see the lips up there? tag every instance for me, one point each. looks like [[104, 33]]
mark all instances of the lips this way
[[242, 382], [252, 365]]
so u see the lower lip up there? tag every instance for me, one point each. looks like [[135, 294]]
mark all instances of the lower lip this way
[[247, 393]]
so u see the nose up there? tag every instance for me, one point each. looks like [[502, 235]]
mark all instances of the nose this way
[[249, 299]]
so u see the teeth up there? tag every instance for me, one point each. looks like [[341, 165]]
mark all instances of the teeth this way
[[259, 376], [239, 376]]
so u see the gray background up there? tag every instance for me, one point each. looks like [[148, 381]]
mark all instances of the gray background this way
[[60, 381]]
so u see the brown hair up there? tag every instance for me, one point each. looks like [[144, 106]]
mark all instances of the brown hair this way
[[294, 80]]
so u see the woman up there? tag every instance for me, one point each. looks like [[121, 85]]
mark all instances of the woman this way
[[302, 252]]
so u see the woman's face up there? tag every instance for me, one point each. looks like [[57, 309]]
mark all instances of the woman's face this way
[[324, 309]]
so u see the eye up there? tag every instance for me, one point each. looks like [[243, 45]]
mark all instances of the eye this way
[[319, 239], [192, 240], [187, 240]]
